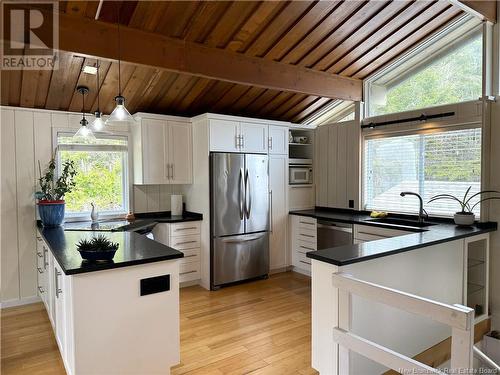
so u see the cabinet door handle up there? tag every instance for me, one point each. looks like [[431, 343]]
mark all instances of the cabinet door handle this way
[[306, 235], [172, 166], [237, 141], [45, 263], [188, 272], [185, 228], [271, 211], [39, 254], [40, 270], [58, 290], [270, 143], [185, 242], [41, 290], [242, 141]]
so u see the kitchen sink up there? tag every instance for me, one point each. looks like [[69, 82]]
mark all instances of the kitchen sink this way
[[402, 222]]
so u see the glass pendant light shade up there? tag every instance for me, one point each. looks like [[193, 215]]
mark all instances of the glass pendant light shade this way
[[98, 123], [120, 114], [84, 132]]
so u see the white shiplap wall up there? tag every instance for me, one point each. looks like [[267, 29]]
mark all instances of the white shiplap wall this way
[[27, 136]]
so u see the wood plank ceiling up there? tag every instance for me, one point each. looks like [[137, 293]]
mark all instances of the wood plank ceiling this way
[[350, 38]]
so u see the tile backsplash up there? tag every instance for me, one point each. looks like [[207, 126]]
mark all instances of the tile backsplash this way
[[154, 198]]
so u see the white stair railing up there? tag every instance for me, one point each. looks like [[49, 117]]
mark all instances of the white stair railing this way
[[460, 318]]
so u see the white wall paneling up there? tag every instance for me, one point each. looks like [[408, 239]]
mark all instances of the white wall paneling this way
[[9, 250]]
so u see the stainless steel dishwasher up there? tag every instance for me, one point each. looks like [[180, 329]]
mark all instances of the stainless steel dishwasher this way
[[332, 234]]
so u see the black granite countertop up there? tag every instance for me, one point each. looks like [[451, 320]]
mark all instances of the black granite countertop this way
[[133, 249], [443, 230], [141, 221]]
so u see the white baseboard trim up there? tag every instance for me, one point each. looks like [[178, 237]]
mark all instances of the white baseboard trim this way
[[19, 302], [185, 284]]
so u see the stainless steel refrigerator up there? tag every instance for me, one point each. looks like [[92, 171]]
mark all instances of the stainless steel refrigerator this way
[[239, 210]]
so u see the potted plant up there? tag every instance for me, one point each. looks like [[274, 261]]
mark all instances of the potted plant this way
[[50, 197], [465, 216], [97, 248]]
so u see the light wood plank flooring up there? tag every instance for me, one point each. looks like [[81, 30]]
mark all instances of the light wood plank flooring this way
[[262, 327]]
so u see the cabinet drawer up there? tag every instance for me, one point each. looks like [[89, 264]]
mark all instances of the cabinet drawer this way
[[304, 247], [307, 222], [185, 242], [306, 235], [189, 271], [184, 229], [304, 262], [190, 256]]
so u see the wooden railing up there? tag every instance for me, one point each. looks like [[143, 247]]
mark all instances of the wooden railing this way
[[460, 318]]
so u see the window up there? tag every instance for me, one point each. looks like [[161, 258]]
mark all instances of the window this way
[[446, 70], [102, 176], [428, 163], [335, 111]]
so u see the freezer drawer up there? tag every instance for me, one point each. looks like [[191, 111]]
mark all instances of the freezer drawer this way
[[237, 258]]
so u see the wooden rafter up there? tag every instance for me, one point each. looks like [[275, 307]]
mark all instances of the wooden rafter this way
[[91, 38]]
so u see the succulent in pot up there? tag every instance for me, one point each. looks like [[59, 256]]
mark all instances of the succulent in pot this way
[[97, 248], [50, 197], [465, 216]]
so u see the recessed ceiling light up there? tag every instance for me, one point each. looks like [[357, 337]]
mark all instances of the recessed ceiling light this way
[[90, 69]]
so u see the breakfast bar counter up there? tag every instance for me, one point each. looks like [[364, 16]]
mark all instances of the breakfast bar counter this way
[[118, 316]]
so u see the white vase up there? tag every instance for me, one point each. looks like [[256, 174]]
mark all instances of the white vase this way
[[94, 215], [464, 219]]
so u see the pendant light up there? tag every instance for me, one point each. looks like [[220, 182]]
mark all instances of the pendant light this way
[[120, 114], [84, 132], [98, 123]]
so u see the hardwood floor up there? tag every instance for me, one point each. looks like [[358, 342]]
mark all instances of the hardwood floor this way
[[262, 327]]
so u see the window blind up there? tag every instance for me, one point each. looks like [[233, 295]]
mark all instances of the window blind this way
[[447, 162]]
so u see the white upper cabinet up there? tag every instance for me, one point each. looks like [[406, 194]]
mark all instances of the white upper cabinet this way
[[224, 135], [253, 137], [278, 140], [180, 153], [162, 151], [153, 152], [233, 135]]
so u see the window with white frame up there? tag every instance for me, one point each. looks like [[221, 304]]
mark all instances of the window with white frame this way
[[102, 174], [429, 163], [445, 69]]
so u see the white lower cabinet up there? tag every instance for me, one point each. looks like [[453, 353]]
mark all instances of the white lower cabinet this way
[[97, 317], [304, 240], [60, 311], [278, 184], [185, 237]]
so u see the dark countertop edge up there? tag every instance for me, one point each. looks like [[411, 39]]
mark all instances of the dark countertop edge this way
[[315, 256], [119, 265], [323, 215], [105, 266], [186, 216]]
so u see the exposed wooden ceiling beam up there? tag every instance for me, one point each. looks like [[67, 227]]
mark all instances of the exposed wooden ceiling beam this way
[[484, 9], [91, 38]]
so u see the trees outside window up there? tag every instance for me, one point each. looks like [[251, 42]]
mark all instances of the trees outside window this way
[[453, 77], [101, 177]]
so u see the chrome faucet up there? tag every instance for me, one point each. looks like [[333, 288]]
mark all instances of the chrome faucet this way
[[421, 214]]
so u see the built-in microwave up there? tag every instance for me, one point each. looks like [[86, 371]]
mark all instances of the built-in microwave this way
[[300, 174]]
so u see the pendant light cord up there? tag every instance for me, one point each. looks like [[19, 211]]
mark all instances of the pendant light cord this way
[[83, 104], [119, 54], [98, 88]]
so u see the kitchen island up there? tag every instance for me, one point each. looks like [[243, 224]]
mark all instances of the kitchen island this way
[[116, 317], [440, 262]]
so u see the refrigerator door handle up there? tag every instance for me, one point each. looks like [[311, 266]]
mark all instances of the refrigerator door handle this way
[[240, 193], [248, 195], [240, 239]]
